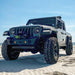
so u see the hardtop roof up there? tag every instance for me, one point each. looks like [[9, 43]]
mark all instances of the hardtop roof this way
[[45, 18]]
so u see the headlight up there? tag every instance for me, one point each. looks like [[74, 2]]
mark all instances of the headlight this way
[[37, 30], [12, 32]]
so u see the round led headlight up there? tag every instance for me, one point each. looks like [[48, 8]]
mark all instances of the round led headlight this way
[[37, 30], [12, 32]]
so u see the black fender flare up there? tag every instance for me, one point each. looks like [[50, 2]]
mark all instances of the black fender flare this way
[[54, 34]]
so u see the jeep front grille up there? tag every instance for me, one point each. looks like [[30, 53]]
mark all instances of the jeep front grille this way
[[24, 31]]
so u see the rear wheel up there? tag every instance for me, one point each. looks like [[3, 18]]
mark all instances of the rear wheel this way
[[69, 46], [51, 50], [8, 53]]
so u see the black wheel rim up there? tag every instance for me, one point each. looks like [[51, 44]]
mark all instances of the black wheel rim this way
[[14, 54]]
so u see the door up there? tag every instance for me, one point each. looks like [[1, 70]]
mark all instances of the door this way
[[60, 37], [61, 34]]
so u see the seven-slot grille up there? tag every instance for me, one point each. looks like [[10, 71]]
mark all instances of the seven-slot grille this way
[[25, 30]]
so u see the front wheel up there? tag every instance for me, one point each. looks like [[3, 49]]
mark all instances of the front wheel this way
[[51, 50], [8, 53]]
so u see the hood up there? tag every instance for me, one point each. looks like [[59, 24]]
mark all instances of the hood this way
[[33, 26], [47, 27]]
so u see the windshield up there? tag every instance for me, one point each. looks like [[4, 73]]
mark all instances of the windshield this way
[[43, 21]]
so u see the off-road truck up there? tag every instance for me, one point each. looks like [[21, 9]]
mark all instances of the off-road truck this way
[[44, 35]]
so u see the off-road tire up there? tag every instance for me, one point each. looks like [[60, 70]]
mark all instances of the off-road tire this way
[[8, 53], [69, 46], [51, 50]]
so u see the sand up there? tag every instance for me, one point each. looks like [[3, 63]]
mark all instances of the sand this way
[[34, 64]]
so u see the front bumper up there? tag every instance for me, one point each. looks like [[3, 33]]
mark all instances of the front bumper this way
[[29, 43]]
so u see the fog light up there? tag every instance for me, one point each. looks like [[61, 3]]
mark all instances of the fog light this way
[[25, 42], [14, 42]]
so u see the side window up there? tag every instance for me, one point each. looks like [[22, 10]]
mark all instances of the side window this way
[[64, 27], [59, 25]]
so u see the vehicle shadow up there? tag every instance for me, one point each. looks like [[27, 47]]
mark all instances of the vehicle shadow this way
[[25, 62]]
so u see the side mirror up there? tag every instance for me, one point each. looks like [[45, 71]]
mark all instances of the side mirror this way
[[6, 33]]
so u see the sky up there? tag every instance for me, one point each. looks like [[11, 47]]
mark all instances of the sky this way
[[18, 12]]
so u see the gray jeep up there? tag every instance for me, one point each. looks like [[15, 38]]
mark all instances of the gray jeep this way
[[44, 35]]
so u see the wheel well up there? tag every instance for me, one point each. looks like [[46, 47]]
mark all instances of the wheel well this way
[[53, 34]]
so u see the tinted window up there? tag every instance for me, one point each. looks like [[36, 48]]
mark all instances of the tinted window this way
[[59, 25], [64, 27]]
